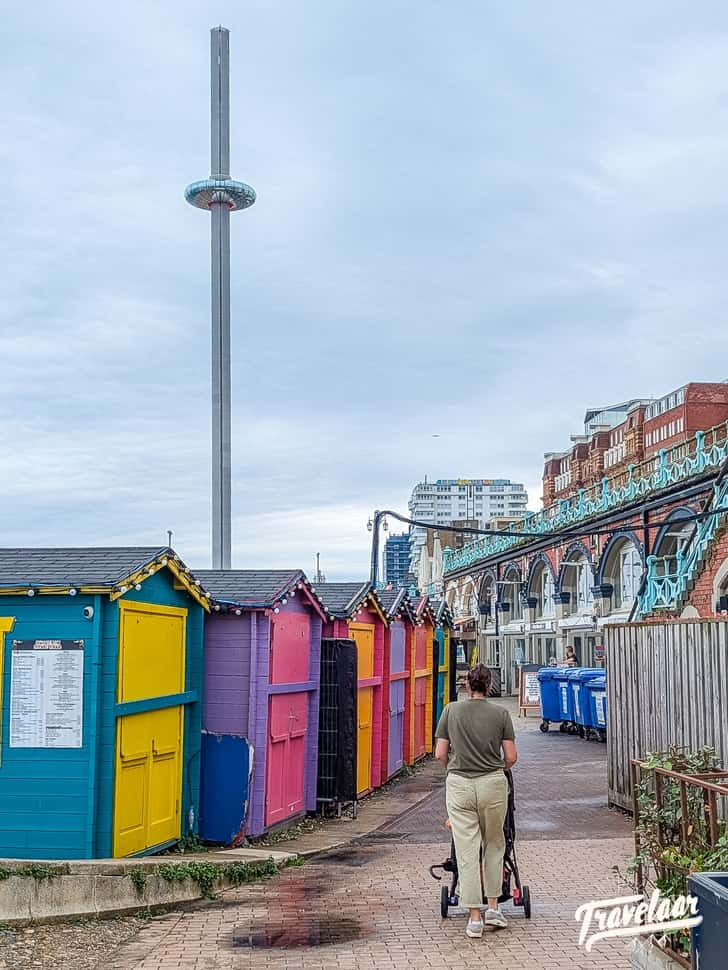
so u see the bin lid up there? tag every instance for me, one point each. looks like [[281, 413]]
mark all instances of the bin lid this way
[[547, 673], [586, 673], [597, 682], [710, 886]]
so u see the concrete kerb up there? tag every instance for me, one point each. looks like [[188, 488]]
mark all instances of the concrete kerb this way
[[104, 887], [58, 890]]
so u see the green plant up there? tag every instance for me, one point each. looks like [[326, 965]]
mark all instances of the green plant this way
[[139, 880], [190, 843], [207, 874], [674, 843], [33, 870]]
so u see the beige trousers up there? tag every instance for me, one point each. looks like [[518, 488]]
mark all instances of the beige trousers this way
[[476, 808]]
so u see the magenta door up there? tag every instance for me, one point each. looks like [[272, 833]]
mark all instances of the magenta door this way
[[285, 761], [290, 643], [396, 725], [420, 708]]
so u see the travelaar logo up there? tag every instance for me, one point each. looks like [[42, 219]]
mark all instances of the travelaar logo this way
[[602, 919]]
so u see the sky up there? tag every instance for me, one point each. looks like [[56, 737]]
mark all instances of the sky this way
[[472, 222]]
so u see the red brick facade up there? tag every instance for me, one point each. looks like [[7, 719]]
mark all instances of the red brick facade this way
[[703, 598], [647, 429]]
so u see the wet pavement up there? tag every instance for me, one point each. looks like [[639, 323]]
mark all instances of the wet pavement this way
[[373, 903], [560, 789]]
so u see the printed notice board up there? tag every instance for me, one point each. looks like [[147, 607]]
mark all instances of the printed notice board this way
[[46, 694], [529, 694]]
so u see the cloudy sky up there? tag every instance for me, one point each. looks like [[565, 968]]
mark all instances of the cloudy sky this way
[[472, 223]]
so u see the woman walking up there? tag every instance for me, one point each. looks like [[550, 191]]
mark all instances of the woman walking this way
[[476, 742]]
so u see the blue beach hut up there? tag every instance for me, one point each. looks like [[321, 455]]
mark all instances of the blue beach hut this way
[[101, 674]]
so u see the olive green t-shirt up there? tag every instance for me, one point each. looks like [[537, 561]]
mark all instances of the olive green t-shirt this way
[[475, 729]]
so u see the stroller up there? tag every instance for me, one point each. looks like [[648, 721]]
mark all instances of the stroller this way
[[520, 895]]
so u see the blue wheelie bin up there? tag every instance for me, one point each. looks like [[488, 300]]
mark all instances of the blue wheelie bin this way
[[577, 681], [566, 698], [549, 690], [597, 691], [708, 939]]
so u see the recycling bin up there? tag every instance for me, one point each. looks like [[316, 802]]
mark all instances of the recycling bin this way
[[566, 697], [709, 938], [597, 720], [578, 678], [549, 691]]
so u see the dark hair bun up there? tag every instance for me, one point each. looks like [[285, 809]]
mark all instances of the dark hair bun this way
[[479, 678]]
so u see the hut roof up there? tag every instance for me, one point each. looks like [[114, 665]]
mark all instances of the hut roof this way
[[340, 599], [106, 569], [393, 600], [255, 588]]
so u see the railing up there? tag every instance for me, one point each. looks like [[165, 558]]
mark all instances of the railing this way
[[668, 579], [704, 451], [679, 828]]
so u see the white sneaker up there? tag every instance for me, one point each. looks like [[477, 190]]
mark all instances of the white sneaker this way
[[495, 918], [474, 930]]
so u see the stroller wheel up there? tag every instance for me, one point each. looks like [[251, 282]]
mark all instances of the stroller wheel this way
[[544, 726], [526, 897], [444, 901]]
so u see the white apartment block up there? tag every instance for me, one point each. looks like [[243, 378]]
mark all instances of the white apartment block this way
[[448, 500]]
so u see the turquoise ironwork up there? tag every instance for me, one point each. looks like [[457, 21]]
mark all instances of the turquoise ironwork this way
[[669, 577], [705, 450]]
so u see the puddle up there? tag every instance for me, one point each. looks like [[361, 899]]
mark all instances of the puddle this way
[[350, 857], [306, 931]]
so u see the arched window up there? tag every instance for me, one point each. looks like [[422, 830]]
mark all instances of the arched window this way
[[511, 593], [577, 580], [623, 572], [542, 589], [674, 537]]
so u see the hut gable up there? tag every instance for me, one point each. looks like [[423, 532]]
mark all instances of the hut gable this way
[[257, 588]]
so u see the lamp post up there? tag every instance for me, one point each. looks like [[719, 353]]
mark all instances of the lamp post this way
[[373, 527]]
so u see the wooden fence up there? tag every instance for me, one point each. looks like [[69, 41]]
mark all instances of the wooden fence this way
[[667, 683]]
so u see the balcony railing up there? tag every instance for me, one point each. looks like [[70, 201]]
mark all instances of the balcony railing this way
[[668, 578], [707, 449]]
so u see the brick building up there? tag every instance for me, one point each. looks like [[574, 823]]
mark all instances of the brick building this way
[[630, 433], [646, 539]]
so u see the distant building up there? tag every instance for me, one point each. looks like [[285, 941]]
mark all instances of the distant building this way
[[449, 500], [396, 559], [626, 434]]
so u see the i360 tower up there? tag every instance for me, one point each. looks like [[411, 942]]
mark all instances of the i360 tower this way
[[221, 195]]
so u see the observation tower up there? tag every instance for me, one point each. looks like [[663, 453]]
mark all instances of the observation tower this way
[[221, 195]]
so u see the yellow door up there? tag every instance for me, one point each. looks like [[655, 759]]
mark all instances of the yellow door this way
[[148, 780], [363, 636], [364, 741]]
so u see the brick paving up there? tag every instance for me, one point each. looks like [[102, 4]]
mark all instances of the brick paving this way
[[373, 904]]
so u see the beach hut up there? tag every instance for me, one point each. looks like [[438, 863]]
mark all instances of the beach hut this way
[[261, 701], [396, 683], [422, 679], [100, 670], [353, 611], [444, 682]]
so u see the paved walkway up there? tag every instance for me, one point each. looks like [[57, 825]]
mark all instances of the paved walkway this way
[[373, 904]]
